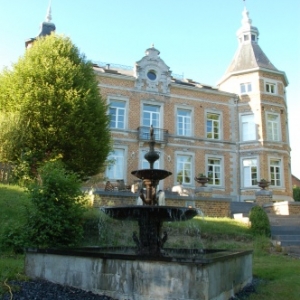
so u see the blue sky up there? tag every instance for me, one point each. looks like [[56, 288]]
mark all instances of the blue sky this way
[[196, 38]]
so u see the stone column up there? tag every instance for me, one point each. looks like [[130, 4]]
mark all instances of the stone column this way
[[203, 191], [263, 197]]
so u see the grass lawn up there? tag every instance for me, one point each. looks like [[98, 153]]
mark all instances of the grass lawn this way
[[279, 273]]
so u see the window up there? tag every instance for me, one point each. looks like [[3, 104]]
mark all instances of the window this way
[[275, 172], [115, 170], [248, 128], [246, 37], [249, 172], [270, 88], [184, 169], [246, 88], [184, 122], [214, 171], [117, 114], [213, 126], [253, 37], [151, 75], [273, 122]]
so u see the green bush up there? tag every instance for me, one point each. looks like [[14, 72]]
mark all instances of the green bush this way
[[260, 224], [56, 219], [296, 193]]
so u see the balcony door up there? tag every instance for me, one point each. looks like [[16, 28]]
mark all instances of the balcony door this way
[[151, 116]]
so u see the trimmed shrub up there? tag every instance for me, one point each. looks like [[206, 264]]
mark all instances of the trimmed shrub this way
[[260, 224], [296, 193], [59, 205]]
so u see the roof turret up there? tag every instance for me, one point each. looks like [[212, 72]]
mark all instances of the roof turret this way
[[46, 28], [249, 55]]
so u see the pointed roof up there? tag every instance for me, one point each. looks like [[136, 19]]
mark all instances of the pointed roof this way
[[249, 55]]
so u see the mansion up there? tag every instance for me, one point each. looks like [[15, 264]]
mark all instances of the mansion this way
[[235, 133]]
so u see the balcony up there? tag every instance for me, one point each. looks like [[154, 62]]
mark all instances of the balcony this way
[[160, 135]]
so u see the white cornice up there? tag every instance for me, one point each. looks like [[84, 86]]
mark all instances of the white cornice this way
[[282, 73]]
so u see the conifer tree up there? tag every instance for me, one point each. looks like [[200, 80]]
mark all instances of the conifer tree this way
[[50, 106]]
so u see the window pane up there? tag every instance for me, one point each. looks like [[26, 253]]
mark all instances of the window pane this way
[[117, 114], [183, 122], [275, 172], [212, 126], [273, 127], [116, 169], [184, 169], [248, 128], [214, 171], [250, 172]]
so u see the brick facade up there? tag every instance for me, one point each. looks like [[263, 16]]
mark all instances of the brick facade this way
[[150, 95]]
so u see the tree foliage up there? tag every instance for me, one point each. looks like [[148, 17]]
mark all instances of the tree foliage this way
[[50, 106]]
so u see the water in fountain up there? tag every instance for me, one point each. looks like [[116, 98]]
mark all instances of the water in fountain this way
[[150, 216]]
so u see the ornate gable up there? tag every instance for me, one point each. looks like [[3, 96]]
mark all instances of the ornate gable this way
[[152, 74]]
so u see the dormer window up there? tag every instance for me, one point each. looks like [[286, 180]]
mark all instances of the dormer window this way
[[246, 37], [253, 37]]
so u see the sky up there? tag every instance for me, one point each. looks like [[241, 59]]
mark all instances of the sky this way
[[196, 38]]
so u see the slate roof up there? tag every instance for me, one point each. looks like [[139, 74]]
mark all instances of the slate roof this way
[[250, 56]]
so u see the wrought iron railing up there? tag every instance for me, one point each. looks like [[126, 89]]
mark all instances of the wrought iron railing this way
[[160, 135]]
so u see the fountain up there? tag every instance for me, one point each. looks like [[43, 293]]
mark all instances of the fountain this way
[[150, 216], [148, 270]]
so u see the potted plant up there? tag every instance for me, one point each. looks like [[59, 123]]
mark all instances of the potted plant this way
[[202, 179], [263, 183]]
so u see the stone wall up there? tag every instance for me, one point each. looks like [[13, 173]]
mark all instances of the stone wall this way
[[212, 207]]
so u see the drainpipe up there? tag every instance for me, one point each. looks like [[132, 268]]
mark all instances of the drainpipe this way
[[238, 151]]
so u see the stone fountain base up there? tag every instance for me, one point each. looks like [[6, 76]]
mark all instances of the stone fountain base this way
[[211, 274]]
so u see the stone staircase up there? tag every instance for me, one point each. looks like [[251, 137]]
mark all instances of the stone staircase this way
[[285, 231]]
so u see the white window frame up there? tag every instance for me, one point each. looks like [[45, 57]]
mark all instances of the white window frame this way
[[190, 168], [117, 171], [248, 174], [187, 121], [245, 88], [120, 100], [270, 87], [276, 172], [273, 128], [248, 131], [218, 122], [212, 181]]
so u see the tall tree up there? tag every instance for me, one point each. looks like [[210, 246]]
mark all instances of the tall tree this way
[[51, 106]]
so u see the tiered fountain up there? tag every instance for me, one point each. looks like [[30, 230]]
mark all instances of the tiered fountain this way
[[150, 271], [150, 216]]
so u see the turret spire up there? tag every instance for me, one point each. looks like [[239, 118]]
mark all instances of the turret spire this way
[[49, 16], [247, 33]]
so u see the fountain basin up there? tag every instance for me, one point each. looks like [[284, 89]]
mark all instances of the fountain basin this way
[[163, 213], [150, 240], [151, 174], [120, 274]]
